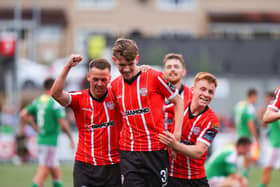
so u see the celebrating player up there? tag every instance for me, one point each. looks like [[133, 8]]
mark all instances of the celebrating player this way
[[99, 124], [200, 127], [140, 95], [174, 70]]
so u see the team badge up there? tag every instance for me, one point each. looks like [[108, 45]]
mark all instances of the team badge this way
[[196, 130], [143, 91], [110, 105], [215, 125]]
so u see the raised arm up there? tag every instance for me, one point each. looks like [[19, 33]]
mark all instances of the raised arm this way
[[57, 90]]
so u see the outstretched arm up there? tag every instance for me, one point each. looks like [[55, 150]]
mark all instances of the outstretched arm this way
[[57, 90]]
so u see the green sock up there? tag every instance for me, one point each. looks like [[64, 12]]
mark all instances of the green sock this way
[[261, 185], [57, 184], [34, 185]]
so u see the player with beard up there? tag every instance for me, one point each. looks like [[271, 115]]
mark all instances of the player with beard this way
[[174, 70]]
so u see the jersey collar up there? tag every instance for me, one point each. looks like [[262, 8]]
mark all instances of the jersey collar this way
[[191, 116], [130, 81], [100, 99]]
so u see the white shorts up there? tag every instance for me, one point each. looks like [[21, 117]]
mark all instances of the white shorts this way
[[215, 181], [272, 158], [48, 156]]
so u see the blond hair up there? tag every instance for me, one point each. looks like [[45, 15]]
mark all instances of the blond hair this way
[[206, 76]]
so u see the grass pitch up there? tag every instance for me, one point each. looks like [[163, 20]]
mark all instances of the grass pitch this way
[[21, 176]]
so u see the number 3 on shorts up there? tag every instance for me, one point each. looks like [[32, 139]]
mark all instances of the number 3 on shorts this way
[[163, 175]]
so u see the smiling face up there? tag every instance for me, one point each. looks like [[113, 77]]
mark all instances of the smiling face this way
[[98, 79], [203, 93], [173, 70]]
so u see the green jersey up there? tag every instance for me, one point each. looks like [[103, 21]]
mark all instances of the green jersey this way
[[47, 113], [222, 164], [243, 113], [274, 133]]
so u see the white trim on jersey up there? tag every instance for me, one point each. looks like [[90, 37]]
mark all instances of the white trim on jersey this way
[[273, 107], [109, 132], [70, 97], [142, 115], [189, 138], [172, 168], [126, 117], [173, 94], [92, 132], [202, 133]]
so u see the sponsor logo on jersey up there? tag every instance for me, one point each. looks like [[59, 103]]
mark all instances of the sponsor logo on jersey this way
[[137, 112], [110, 105], [143, 91], [100, 125]]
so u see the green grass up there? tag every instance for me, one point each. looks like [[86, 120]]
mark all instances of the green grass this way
[[21, 176]]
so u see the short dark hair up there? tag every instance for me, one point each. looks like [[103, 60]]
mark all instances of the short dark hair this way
[[243, 141], [174, 56], [251, 92], [48, 83], [100, 63], [126, 48]]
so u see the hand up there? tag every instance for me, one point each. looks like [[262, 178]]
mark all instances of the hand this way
[[167, 138], [145, 68], [74, 60]]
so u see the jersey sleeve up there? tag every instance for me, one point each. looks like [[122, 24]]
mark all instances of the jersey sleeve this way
[[31, 108], [208, 134], [166, 88], [275, 103], [74, 98]]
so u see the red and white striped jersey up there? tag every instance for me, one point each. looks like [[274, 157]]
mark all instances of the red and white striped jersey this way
[[168, 107], [275, 103], [141, 103], [99, 125], [202, 127]]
